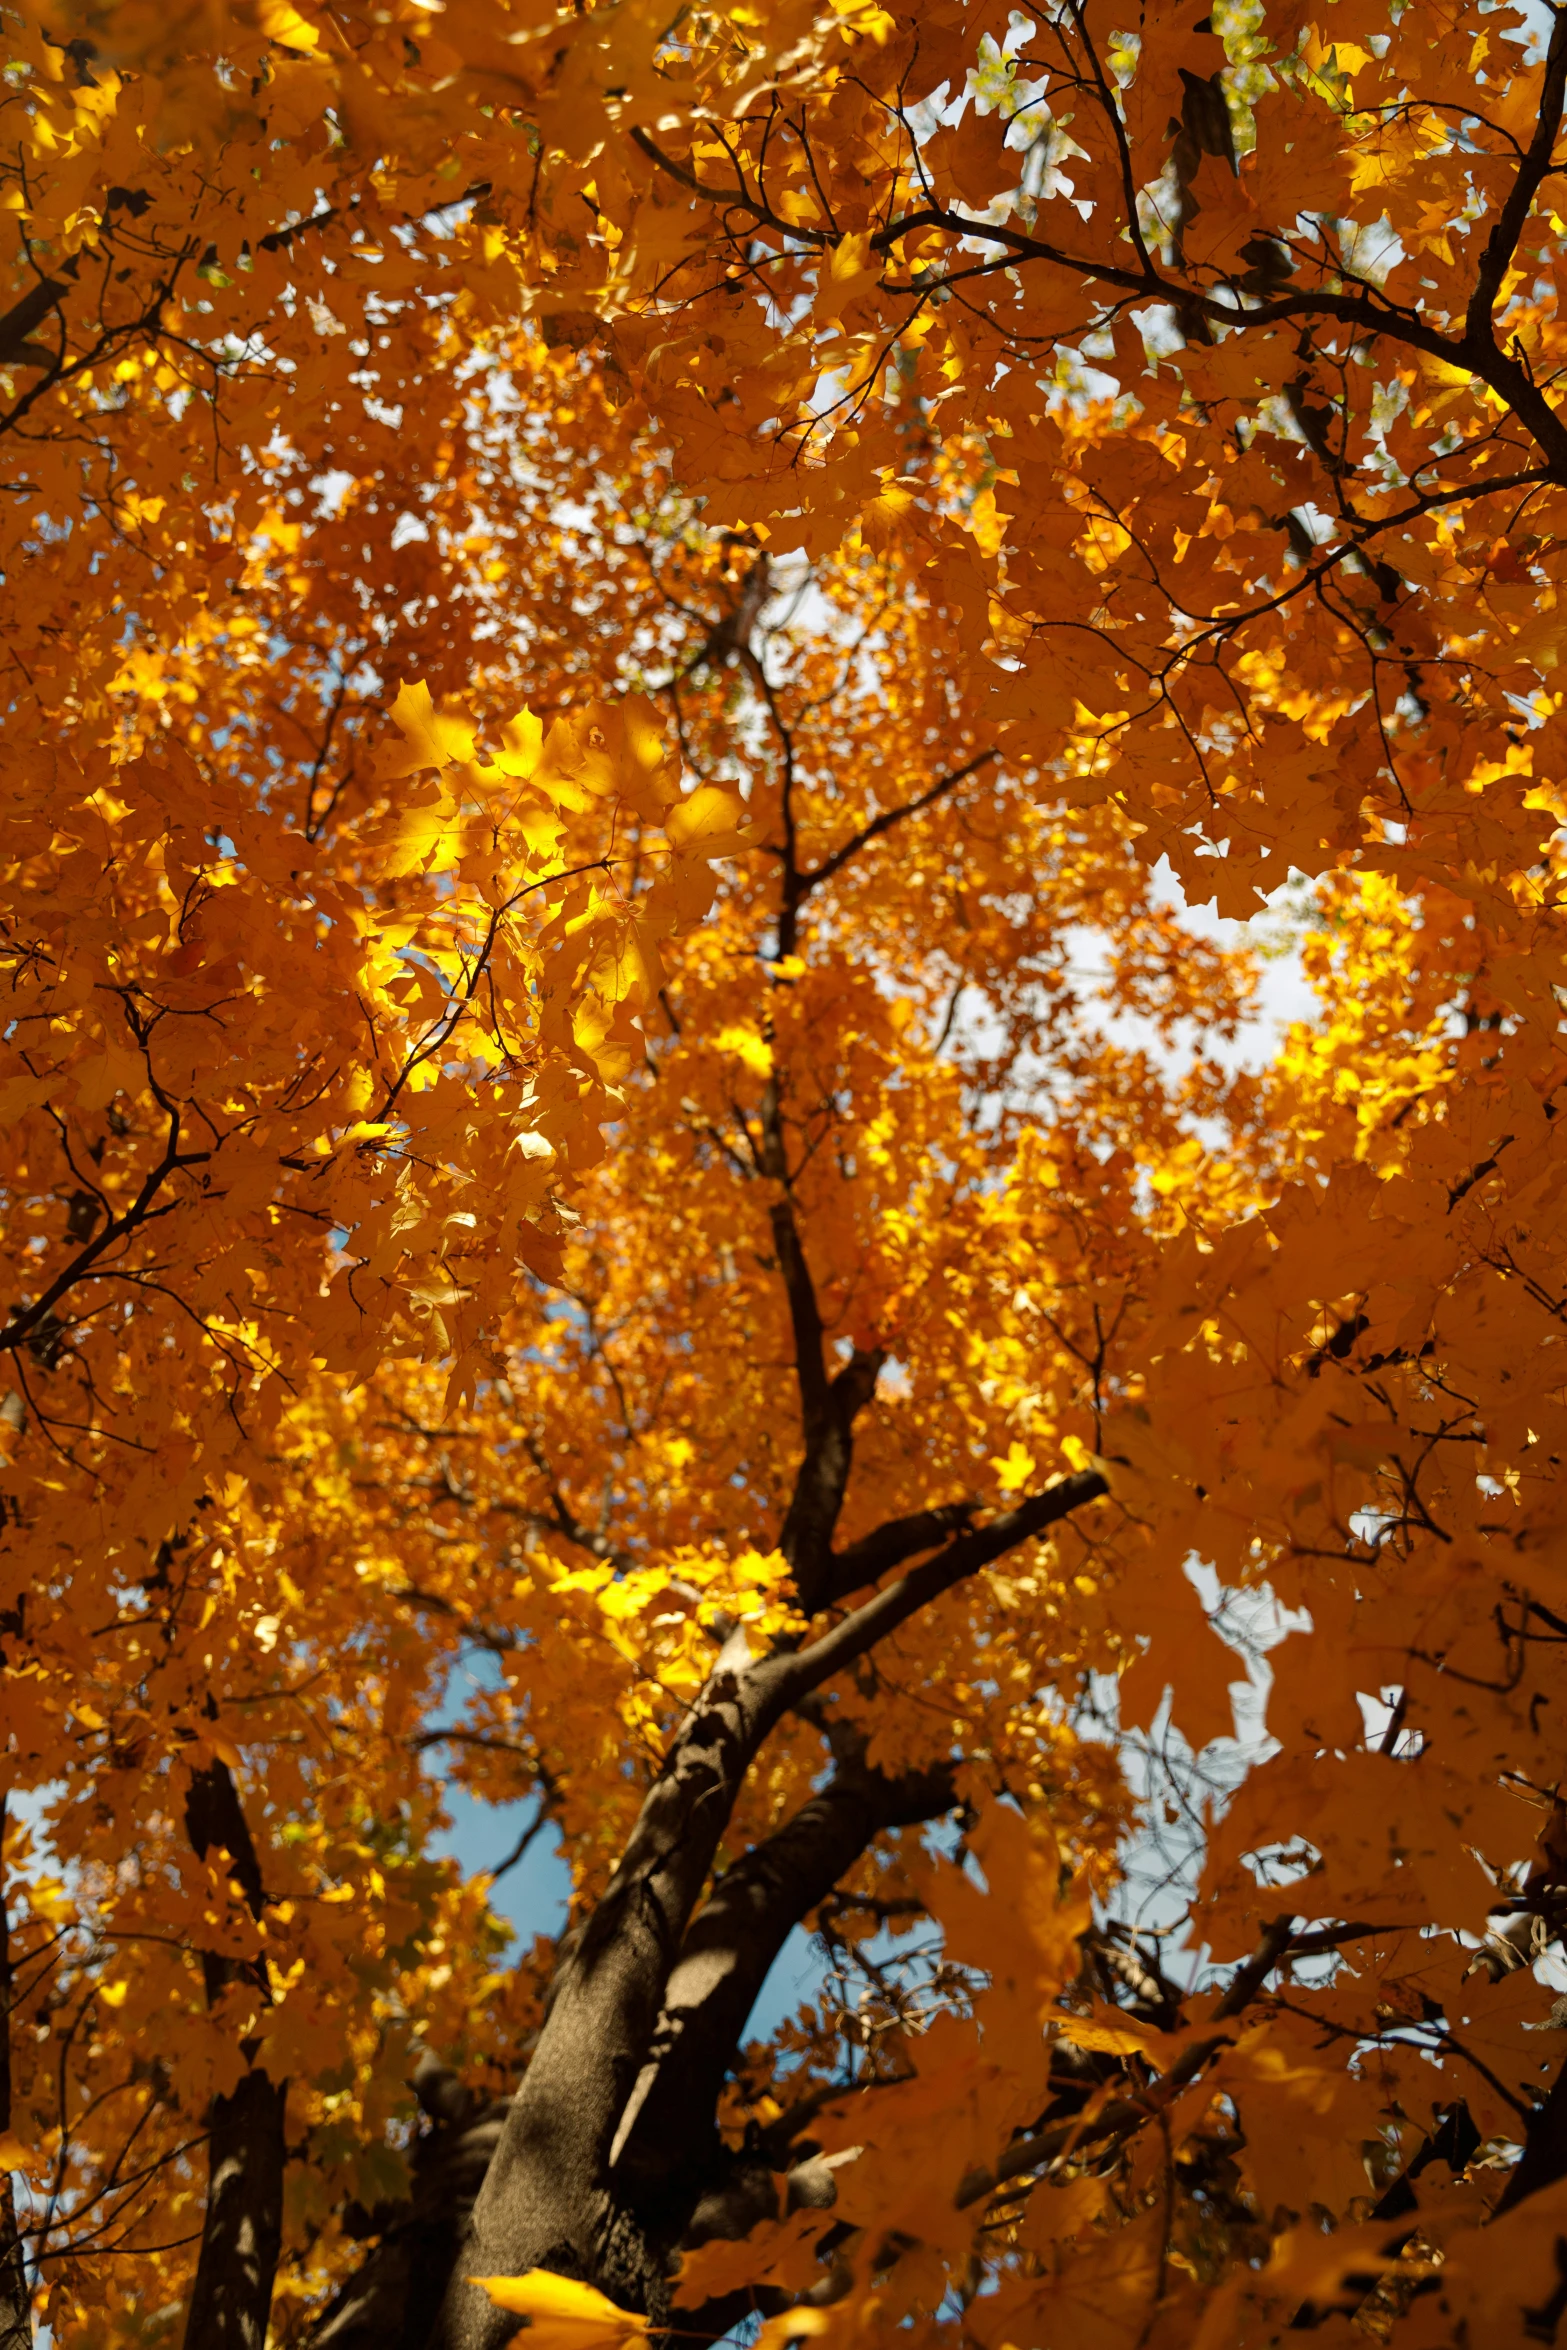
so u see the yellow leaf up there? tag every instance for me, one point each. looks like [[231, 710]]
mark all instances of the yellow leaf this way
[[643, 741], [792, 2325], [707, 821], [523, 738], [282, 22], [417, 838], [883, 519], [747, 1046], [1105, 2039], [852, 269], [1013, 1473], [430, 738], [13, 2154], [564, 2314]]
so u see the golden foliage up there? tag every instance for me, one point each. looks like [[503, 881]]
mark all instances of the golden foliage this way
[[463, 926]]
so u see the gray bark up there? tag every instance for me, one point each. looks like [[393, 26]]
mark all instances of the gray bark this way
[[670, 2181], [548, 2200]]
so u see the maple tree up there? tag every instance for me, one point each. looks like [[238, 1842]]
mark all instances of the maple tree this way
[[788, 1335]]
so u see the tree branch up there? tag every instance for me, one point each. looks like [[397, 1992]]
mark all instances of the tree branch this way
[[25, 1320], [891, 816], [829, 1407], [1502, 242], [875, 1555], [17, 323], [809, 1667], [1356, 310], [667, 2145]]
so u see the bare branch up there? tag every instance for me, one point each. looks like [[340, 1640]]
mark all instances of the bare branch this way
[[875, 1555], [878, 1616], [892, 816], [1502, 242]]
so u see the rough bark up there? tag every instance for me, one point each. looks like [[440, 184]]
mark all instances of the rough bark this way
[[671, 2181], [242, 2231]]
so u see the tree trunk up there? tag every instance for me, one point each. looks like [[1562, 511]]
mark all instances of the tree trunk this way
[[668, 2153], [16, 2300], [548, 2200], [551, 2198], [666, 2164], [242, 2232]]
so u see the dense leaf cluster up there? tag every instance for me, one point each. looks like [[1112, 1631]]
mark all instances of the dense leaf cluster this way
[[626, 1179]]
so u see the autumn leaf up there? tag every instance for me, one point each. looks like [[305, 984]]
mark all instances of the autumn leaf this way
[[882, 520], [430, 738], [709, 821], [633, 1187], [1023, 1930], [851, 270], [563, 2314], [1015, 1470], [751, 1050]]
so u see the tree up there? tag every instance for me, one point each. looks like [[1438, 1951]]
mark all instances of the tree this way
[[974, 1326], [276, 1015]]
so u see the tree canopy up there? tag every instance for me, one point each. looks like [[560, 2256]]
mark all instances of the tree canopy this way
[[631, 1182]]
